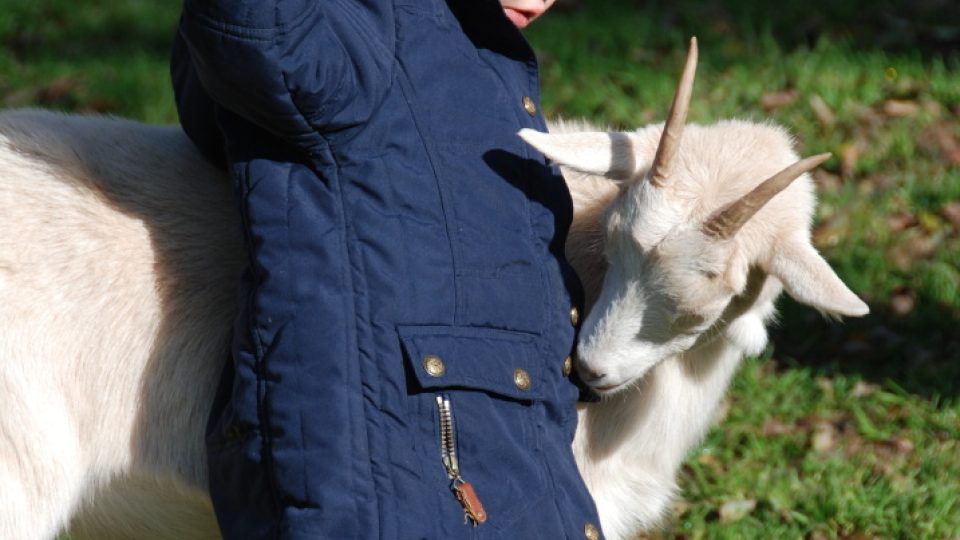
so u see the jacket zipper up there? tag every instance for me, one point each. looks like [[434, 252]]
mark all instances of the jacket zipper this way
[[463, 490]]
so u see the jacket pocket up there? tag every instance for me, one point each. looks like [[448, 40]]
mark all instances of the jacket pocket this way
[[493, 386]]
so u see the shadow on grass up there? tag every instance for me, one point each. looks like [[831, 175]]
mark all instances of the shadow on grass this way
[[928, 27], [918, 352]]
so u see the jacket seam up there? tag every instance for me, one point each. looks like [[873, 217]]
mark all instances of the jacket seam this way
[[446, 208], [263, 417], [355, 341]]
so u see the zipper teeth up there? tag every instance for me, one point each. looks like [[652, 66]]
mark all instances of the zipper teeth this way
[[448, 441]]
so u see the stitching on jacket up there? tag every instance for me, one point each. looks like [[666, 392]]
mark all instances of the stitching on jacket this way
[[310, 120], [266, 450], [294, 325], [445, 206]]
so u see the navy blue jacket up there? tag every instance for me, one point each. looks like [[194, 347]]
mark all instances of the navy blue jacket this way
[[403, 243]]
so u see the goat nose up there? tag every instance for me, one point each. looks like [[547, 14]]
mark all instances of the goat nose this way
[[589, 374]]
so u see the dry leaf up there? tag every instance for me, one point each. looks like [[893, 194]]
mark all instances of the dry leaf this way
[[946, 142], [901, 221], [775, 100], [849, 156], [922, 247], [896, 446], [822, 111], [951, 212], [680, 507], [776, 427], [900, 108], [736, 509]]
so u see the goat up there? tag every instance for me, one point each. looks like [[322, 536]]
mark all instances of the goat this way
[[105, 384], [683, 251]]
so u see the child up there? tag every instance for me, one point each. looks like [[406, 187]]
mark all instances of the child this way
[[401, 359]]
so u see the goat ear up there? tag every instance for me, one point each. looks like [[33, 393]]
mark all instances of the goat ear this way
[[608, 154], [809, 279]]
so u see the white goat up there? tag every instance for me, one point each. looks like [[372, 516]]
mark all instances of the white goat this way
[[119, 255], [682, 250]]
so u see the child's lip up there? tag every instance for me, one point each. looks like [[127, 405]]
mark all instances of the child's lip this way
[[519, 18]]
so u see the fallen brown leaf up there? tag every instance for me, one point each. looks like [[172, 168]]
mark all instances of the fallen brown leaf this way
[[849, 156], [896, 446], [922, 247], [900, 108], [951, 212], [822, 111], [946, 141], [772, 101], [901, 221], [775, 427], [680, 507]]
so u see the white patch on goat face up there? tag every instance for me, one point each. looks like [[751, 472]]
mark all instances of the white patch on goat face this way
[[666, 284]]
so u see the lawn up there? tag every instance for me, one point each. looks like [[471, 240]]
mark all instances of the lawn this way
[[839, 430]]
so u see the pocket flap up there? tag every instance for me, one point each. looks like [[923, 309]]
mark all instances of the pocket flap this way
[[496, 361]]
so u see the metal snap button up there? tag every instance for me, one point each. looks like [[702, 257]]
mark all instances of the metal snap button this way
[[521, 379], [529, 106], [574, 316], [567, 366], [590, 532], [433, 365]]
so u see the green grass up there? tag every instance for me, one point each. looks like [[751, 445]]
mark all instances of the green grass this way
[[840, 430]]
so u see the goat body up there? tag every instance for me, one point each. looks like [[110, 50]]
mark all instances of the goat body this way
[[119, 259], [120, 253]]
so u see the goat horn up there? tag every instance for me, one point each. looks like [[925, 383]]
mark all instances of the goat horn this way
[[728, 222], [673, 129]]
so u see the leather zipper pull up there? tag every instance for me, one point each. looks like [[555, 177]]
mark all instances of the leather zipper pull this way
[[472, 507]]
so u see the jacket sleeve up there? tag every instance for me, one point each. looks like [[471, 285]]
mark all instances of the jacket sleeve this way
[[276, 63]]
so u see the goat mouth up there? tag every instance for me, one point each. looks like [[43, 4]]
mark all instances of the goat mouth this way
[[608, 389]]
